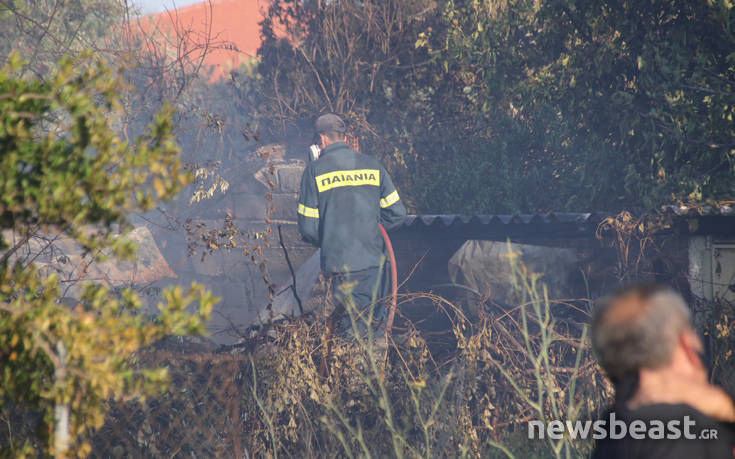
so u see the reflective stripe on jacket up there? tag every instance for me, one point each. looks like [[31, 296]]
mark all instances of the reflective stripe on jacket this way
[[344, 195]]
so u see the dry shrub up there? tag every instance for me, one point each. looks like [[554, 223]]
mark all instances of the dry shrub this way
[[466, 389]]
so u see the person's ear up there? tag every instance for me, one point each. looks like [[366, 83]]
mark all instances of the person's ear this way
[[692, 346], [323, 141]]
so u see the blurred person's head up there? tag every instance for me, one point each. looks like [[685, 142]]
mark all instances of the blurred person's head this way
[[644, 329], [330, 129]]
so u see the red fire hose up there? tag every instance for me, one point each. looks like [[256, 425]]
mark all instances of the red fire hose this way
[[393, 283], [354, 143], [323, 370]]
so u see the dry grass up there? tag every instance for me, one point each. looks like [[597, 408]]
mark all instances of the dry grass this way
[[467, 388]]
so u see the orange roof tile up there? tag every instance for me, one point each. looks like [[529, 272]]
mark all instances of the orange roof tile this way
[[232, 25]]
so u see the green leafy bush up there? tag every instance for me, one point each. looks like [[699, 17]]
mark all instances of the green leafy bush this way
[[65, 170]]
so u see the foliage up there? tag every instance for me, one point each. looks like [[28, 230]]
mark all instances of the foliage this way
[[628, 102], [370, 72], [465, 391], [520, 105], [163, 62], [63, 169], [44, 31], [715, 321]]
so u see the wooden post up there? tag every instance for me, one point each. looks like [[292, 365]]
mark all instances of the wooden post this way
[[61, 410]]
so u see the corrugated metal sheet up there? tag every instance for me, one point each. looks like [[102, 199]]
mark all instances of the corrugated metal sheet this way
[[517, 219], [543, 228], [726, 210], [554, 217]]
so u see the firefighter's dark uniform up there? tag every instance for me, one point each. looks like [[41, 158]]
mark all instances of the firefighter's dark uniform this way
[[344, 195]]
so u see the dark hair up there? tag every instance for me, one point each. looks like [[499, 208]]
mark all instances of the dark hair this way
[[638, 327], [334, 136]]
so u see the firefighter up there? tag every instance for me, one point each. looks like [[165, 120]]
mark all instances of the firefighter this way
[[344, 196]]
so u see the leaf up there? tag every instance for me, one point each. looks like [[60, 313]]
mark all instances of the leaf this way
[[158, 186]]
